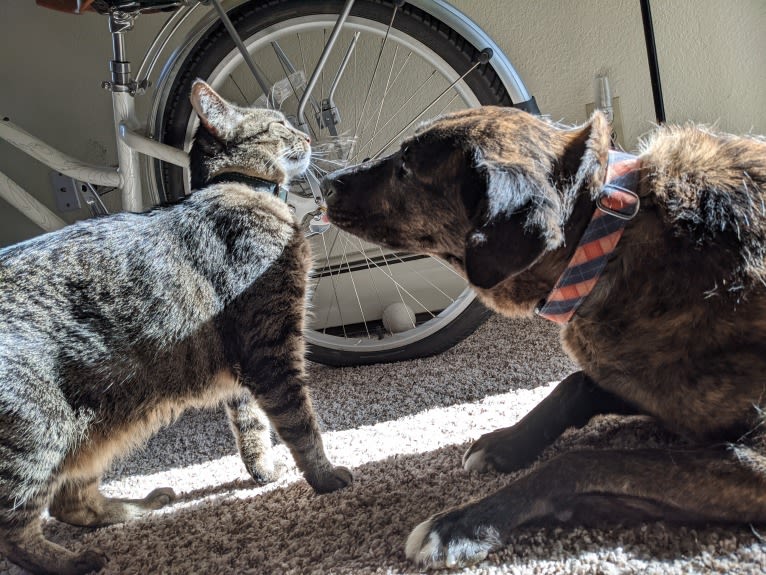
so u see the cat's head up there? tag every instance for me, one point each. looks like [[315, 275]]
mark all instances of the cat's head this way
[[254, 141]]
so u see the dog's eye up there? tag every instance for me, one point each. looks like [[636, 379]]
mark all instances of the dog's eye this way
[[403, 170]]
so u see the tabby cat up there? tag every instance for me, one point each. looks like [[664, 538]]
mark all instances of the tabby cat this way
[[112, 327]]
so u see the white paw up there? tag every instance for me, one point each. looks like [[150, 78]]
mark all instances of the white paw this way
[[475, 461], [422, 546], [425, 547]]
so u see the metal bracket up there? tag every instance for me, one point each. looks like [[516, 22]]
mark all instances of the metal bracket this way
[[121, 22], [65, 192], [134, 88], [68, 191], [329, 117]]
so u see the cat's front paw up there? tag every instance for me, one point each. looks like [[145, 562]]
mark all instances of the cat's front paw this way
[[159, 498], [264, 472], [447, 540], [89, 561], [336, 478]]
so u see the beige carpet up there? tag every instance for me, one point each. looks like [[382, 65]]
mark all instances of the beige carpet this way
[[402, 428]]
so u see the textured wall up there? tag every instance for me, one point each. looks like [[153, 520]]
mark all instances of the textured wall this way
[[712, 58], [559, 47]]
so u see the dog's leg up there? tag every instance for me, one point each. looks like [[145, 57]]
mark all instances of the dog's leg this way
[[596, 487], [572, 404]]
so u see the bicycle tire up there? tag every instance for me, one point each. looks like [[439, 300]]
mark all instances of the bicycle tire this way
[[253, 18]]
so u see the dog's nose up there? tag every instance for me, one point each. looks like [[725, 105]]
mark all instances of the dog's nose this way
[[327, 187]]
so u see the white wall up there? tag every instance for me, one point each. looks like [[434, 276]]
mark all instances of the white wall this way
[[712, 62], [712, 57]]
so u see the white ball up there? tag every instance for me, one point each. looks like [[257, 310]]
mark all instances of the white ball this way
[[398, 317]]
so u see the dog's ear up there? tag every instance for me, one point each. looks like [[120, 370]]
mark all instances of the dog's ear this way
[[218, 116], [510, 235], [585, 155], [525, 207]]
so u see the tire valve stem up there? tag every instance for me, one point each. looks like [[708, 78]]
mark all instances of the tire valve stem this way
[[485, 55]]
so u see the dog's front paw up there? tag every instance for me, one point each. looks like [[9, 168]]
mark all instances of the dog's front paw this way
[[445, 541], [336, 478], [504, 450], [475, 459]]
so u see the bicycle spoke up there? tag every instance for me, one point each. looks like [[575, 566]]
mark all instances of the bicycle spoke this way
[[327, 260], [398, 285], [447, 267], [356, 292], [447, 105], [335, 293], [375, 130], [300, 48], [425, 279], [289, 70], [356, 100], [385, 93], [321, 75], [415, 119], [388, 267], [375, 69], [399, 288], [407, 101], [372, 276], [244, 98]]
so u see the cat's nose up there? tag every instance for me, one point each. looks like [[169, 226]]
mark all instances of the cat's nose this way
[[308, 138]]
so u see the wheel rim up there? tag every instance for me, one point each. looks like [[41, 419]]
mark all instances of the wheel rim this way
[[353, 281]]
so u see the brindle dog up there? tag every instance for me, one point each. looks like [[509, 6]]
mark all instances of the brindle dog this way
[[675, 328]]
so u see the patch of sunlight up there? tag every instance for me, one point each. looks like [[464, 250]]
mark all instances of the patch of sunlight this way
[[423, 432], [433, 428]]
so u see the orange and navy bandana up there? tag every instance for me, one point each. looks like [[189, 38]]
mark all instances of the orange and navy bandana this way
[[616, 205]]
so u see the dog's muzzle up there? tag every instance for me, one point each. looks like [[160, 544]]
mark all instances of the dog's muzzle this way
[[328, 188]]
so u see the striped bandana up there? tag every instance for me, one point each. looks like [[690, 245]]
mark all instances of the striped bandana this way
[[616, 205]]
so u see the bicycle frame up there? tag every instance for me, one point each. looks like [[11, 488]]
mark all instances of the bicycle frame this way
[[127, 176]]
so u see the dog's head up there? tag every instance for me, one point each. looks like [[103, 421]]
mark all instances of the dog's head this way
[[490, 190]]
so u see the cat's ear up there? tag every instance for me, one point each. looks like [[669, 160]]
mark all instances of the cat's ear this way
[[216, 114]]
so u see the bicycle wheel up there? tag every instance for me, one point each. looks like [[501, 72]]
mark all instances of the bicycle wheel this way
[[402, 66]]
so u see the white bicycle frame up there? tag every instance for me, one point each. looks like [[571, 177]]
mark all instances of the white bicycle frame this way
[[127, 176]]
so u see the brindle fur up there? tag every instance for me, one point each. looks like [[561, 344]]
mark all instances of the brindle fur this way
[[675, 328], [112, 327]]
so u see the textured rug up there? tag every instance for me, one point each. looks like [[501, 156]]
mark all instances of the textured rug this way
[[402, 429]]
